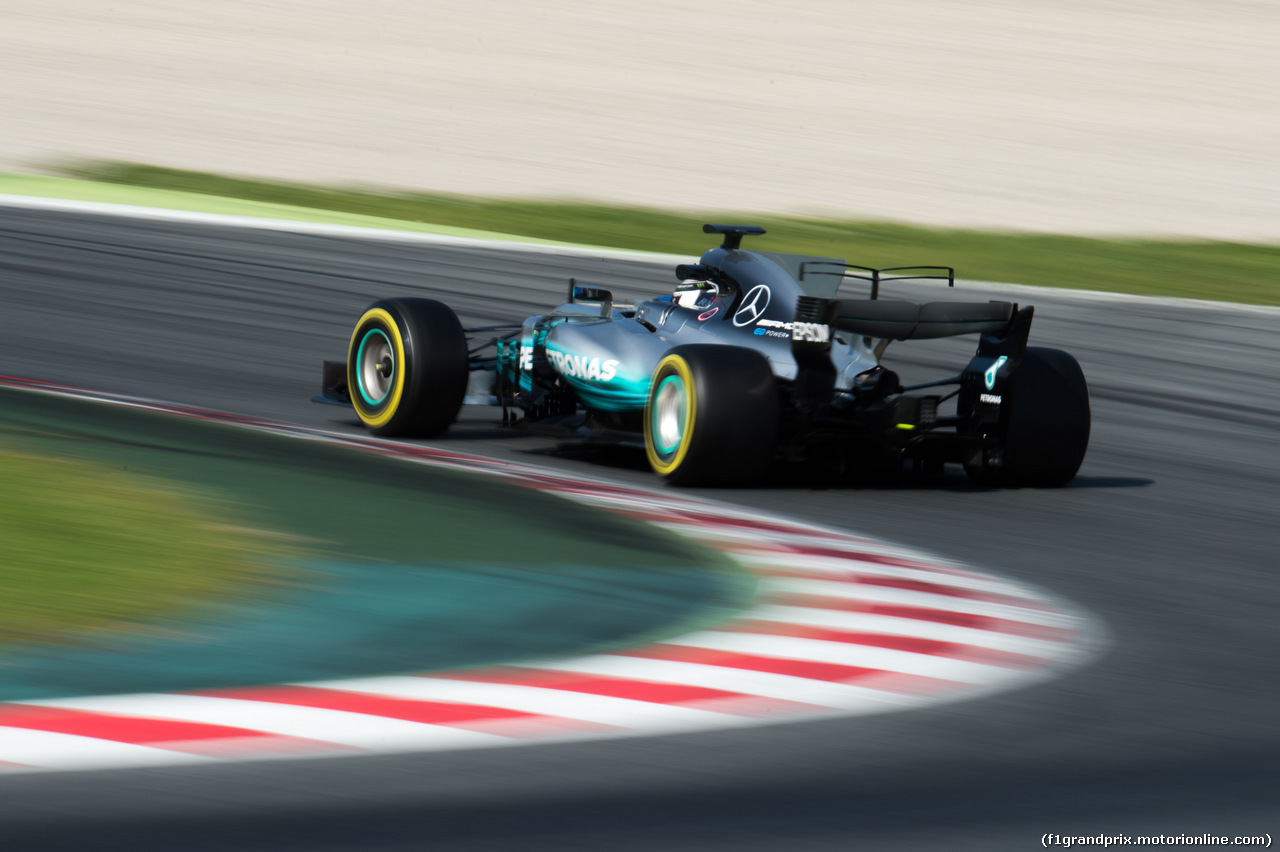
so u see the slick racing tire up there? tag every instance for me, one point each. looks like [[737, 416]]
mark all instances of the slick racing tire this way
[[711, 417], [1044, 424], [407, 367]]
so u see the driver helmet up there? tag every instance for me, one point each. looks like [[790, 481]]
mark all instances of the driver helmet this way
[[695, 293]]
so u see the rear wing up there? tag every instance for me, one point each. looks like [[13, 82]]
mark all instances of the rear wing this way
[[895, 320], [1004, 328]]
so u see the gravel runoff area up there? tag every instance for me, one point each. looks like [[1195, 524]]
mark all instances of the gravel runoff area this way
[[1097, 116]]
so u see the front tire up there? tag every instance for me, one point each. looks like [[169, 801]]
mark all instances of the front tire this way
[[711, 417], [407, 367]]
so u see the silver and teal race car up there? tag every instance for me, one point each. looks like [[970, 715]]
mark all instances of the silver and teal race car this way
[[753, 358]]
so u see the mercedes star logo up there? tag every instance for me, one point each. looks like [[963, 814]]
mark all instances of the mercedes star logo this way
[[753, 305]]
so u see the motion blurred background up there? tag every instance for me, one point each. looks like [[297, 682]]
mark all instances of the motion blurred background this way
[[1095, 117]]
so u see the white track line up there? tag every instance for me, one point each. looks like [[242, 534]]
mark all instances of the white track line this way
[[846, 698], [905, 597], [844, 569], [891, 625], [357, 730], [50, 750], [599, 709], [843, 654]]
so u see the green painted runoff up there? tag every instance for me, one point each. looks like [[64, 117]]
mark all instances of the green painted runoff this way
[[346, 563]]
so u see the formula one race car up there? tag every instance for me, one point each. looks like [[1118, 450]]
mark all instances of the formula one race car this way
[[751, 358]]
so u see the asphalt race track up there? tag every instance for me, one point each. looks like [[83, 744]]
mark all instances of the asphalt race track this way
[[1168, 536]]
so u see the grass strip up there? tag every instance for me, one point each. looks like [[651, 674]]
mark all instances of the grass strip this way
[[1204, 269], [89, 547]]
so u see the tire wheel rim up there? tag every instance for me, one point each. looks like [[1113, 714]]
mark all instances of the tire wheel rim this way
[[670, 411], [375, 366]]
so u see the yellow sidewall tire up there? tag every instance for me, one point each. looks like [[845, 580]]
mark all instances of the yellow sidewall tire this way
[[377, 416], [666, 464], [711, 415]]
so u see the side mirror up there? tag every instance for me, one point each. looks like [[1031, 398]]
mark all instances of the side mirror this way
[[589, 294], [592, 295]]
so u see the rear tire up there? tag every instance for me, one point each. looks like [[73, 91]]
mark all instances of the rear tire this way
[[711, 417], [407, 367], [1044, 424]]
